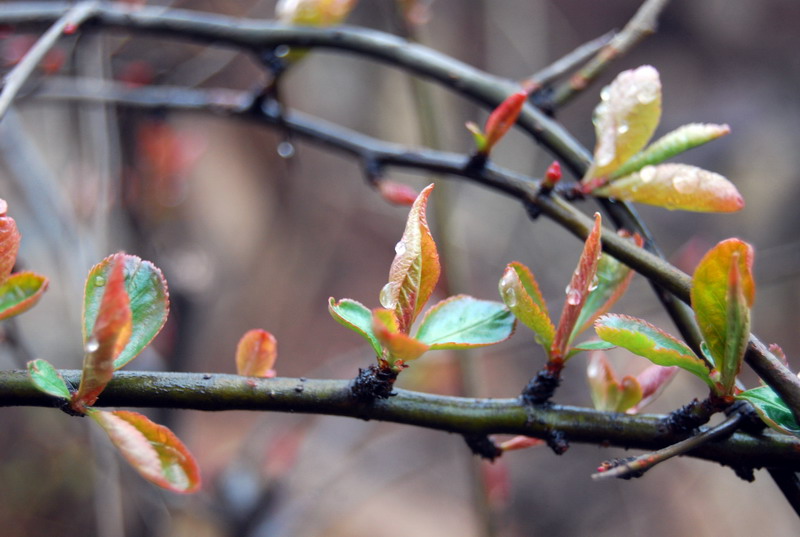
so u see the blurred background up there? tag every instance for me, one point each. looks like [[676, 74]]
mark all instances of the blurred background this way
[[250, 238]]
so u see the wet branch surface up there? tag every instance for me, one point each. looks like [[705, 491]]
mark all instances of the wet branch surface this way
[[468, 416]]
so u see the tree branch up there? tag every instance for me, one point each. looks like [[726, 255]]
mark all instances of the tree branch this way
[[216, 392]]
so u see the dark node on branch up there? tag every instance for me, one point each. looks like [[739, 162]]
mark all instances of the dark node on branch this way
[[274, 60], [542, 99], [541, 387], [373, 170], [64, 406], [476, 163], [483, 446], [533, 210], [751, 423], [689, 417], [572, 192], [744, 472], [373, 383], [615, 463], [557, 441]]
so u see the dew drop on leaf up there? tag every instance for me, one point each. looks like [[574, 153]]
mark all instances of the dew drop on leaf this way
[[99, 281], [281, 51], [285, 150], [685, 184], [400, 248], [386, 297], [605, 94], [648, 173], [91, 346], [647, 94], [573, 296], [623, 128], [509, 296], [593, 284], [605, 156]]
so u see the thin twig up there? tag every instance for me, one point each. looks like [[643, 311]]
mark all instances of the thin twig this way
[[567, 63], [642, 24], [17, 77], [642, 463]]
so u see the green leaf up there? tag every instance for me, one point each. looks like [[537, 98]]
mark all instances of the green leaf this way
[[711, 301], [644, 339], [47, 379], [20, 292], [462, 321], [152, 449], [772, 409], [593, 345], [625, 119], [520, 292], [578, 290], [676, 186], [610, 283], [671, 144], [357, 317], [149, 298], [400, 346], [9, 242], [256, 354], [415, 269], [110, 334], [737, 328]]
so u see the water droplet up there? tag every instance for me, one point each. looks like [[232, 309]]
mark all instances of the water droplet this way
[[400, 248], [647, 94], [648, 173], [605, 94], [685, 184], [574, 296], [594, 283], [285, 150], [91, 346], [281, 51], [510, 297], [386, 297], [99, 281], [605, 156], [623, 128]]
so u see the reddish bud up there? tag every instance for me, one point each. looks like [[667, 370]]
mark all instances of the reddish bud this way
[[397, 193], [503, 118], [552, 175], [70, 28], [521, 442]]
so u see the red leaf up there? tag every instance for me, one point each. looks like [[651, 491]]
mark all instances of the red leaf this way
[[9, 242], [111, 332], [503, 118], [256, 354], [397, 193], [577, 291], [521, 442], [399, 346], [152, 449]]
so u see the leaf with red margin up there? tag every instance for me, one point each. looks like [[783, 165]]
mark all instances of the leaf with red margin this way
[[625, 119], [9, 242], [149, 298], [110, 334], [357, 317], [256, 354], [20, 292], [521, 294], [400, 346], [578, 291], [462, 322], [611, 282], [415, 269], [653, 380], [676, 186], [737, 327], [47, 379], [152, 449], [711, 302], [644, 339]]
